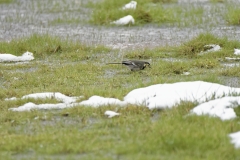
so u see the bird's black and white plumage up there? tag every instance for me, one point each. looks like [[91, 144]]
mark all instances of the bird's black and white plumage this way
[[134, 65]]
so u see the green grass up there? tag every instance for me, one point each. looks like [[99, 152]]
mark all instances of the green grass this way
[[233, 15], [6, 1], [75, 69], [45, 45], [217, 1], [193, 47], [171, 136], [190, 56]]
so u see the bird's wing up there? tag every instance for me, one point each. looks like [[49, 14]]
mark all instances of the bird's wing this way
[[134, 64], [129, 63]]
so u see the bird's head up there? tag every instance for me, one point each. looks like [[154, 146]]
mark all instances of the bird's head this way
[[146, 64]]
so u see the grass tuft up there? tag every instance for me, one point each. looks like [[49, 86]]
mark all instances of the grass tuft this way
[[196, 45], [232, 15], [42, 45]]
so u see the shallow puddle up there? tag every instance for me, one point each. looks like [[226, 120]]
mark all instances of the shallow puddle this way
[[25, 17]]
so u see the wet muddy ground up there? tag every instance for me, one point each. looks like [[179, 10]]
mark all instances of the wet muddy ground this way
[[69, 19]]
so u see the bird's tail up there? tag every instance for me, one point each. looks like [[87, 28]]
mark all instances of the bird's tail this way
[[114, 63]]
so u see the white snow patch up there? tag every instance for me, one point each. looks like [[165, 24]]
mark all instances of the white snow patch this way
[[186, 73], [222, 108], [66, 101], [111, 114], [53, 95], [97, 101], [130, 5], [27, 56], [236, 51], [230, 58], [168, 95], [231, 65], [94, 101], [235, 139], [211, 48], [156, 96], [124, 21], [10, 99], [31, 106]]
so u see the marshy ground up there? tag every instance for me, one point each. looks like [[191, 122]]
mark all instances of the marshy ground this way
[[72, 40], [69, 19]]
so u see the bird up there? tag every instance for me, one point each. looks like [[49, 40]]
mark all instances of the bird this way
[[134, 65]]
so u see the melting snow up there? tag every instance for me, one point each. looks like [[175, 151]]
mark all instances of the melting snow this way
[[168, 95], [130, 5], [31, 106], [53, 95], [186, 73], [235, 139], [229, 58], [27, 56], [124, 21], [96, 101], [111, 114], [211, 48], [236, 51], [222, 108], [66, 101], [156, 96]]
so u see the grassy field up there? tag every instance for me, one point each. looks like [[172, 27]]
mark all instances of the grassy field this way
[[74, 69]]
